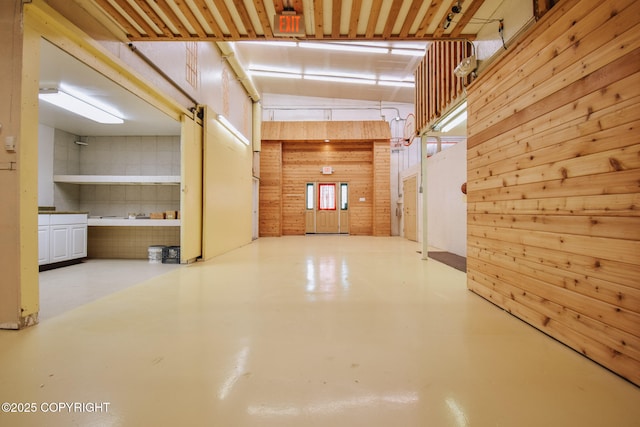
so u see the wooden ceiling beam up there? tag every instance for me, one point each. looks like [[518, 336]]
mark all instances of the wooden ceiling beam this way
[[335, 21], [410, 18], [440, 30], [318, 16], [428, 17], [207, 14], [151, 13], [246, 20], [391, 18], [356, 7], [171, 16], [264, 19], [226, 17], [189, 16], [373, 18], [467, 15], [168, 19], [120, 20]]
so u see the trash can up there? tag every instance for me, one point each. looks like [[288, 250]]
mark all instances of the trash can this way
[[171, 255], [155, 254]]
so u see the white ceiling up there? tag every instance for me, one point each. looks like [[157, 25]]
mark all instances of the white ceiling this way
[[265, 55], [60, 70]]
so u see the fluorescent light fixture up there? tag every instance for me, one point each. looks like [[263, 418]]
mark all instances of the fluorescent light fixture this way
[[78, 106], [455, 121], [339, 79], [277, 74], [272, 44], [396, 83], [453, 118], [343, 47], [235, 132], [407, 52], [361, 76]]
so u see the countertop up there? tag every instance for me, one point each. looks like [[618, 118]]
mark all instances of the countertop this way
[[47, 212]]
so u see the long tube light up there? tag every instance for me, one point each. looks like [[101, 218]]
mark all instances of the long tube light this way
[[368, 79], [455, 121], [347, 47], [336, 79], [452, 119], [78, 106], [344, 47], [235, 132]]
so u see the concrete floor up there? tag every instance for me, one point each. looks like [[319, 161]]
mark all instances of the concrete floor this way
[[303, 331]]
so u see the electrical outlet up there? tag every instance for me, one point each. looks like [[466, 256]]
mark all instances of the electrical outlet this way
[[10, 143]]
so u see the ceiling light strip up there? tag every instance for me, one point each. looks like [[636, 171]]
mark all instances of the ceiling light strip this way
[[78, 106], [235, 132], [336, 78]]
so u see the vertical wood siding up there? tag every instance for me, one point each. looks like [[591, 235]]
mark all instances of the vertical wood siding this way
[[270, 200], [352, 162], [382, 185], [293, 153], [554, 180], [436, 85]]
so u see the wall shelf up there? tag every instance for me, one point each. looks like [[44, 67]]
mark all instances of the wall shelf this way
[[118, 179], [124, 222]]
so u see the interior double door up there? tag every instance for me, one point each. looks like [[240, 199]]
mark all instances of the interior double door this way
[[327, 208]]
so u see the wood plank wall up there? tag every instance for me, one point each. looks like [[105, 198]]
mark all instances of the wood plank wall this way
[[270, 200], [293, 153], [352, 162], [382, 184], [554, 180], [436, 85]]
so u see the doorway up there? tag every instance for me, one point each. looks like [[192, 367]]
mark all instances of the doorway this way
[[327, 208], [410, 195]]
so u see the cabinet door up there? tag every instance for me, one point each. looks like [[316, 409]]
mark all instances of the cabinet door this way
[[78, 240], [60, 244], [43, 244]]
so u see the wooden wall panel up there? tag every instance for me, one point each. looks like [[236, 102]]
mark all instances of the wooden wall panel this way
[[270, 200], [373, 130], [358, 152], [352, 162], [382, 185], [554, 180]]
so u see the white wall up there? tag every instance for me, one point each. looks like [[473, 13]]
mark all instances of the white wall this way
[[277, 107], [516, 15], [45, 165], [447, 209]]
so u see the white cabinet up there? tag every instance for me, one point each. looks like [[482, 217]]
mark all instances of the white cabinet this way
[[59, 243], [43, 239], [64, 238], [78, 237]]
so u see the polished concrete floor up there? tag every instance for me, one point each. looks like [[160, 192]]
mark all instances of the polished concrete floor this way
[[303, 331]]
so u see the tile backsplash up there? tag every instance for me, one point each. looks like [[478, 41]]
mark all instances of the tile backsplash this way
[[120, 200], [117, 155]]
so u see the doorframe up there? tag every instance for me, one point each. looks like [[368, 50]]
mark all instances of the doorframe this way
[[316, 196], [404, 179]]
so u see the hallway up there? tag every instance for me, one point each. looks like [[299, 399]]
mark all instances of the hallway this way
[[305, 331]]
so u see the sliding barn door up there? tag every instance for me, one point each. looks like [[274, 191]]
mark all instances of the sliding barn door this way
[[191, 190]]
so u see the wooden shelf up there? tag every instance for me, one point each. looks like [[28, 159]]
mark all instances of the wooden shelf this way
[[124, 222], [118, 179]]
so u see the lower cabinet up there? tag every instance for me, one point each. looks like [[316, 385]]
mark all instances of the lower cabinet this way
[[43, 239], [63, 239]]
